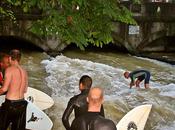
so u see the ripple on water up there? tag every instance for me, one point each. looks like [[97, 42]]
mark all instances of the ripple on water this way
[[63, 78]]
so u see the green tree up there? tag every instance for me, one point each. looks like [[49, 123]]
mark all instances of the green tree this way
[[81, 22]]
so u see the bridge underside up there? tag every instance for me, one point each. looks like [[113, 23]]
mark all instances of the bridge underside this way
[[163, 44], [13, 42]]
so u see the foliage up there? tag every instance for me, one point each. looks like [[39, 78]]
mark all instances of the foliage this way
[[7, 13], [137, 1], [81, 22]]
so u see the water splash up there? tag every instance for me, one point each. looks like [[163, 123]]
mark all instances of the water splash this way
[[64, 74]]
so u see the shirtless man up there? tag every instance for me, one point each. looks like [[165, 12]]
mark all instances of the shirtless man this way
[[92, 120], [13, 110]]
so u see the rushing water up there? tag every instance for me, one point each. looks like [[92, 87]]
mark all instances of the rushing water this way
[[59, 78]]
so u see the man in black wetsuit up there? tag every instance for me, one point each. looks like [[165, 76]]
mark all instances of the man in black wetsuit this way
[[13, 110], [78, 103], [92, 120], [140, 75]]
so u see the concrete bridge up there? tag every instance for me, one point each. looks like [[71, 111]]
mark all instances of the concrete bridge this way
[[20, 31], [155, 30]]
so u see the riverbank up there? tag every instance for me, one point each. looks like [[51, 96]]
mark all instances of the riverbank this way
[[162, 56]]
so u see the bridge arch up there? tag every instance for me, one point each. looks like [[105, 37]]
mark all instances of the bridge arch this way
[[161, 40], [26, 36], [14, 42], [150, 38], [121, 42]]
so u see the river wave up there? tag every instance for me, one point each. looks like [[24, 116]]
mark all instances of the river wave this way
[[63, 78]]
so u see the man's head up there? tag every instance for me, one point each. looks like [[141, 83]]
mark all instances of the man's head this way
[[85, 82], [95, 99], [15, 55], [126, 74], [5, 62]]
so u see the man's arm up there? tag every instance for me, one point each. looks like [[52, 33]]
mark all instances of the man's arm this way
[[26, 81], [131, 84], [102, 113], [66, 115], [1, 79], [6, 83]]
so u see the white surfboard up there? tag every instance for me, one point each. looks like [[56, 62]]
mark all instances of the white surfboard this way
[[36, 119], [39, 98], [135, 119]]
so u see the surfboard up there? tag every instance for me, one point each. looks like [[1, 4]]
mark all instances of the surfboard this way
[[36, 119], [135, 119], [40, 99]]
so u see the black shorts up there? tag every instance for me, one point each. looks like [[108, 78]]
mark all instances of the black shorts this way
[[13, 112], [146, 77]]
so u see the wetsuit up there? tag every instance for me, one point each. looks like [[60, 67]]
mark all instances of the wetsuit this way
[[140, 75], [79, 104], [92, 121], [13, 111]]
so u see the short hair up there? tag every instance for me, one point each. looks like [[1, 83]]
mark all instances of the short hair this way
[[15, 55], [86, 81], [126, 73]]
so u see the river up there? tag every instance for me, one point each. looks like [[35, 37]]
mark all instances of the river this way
[[59, 77]]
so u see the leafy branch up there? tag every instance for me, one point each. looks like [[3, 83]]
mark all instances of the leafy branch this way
[[82, 22]]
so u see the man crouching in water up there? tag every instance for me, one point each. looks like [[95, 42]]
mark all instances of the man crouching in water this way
[[13, 110]]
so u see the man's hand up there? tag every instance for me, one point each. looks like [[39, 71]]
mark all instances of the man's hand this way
[[132, 84]]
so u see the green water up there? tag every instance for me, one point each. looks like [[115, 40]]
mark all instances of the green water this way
[[118, 101]]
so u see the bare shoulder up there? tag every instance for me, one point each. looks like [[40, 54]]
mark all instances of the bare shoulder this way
[[12, 68], [9, 69]]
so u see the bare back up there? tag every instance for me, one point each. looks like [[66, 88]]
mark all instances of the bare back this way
[[17, 82]]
